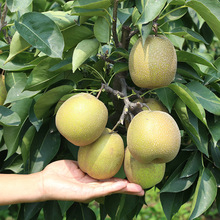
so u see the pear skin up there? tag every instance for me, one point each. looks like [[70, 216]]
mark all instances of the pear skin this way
[[153, 137], [81, 119], [146, 175], [153, 65], [103, 158]]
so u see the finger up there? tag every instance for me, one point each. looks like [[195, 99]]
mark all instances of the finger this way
[[133, 189], [107, 188]]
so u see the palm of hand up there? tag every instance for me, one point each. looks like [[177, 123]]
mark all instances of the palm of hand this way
[[63, 180]]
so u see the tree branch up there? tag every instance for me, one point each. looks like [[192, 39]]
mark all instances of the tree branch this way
[[3, 23], [114, 23]]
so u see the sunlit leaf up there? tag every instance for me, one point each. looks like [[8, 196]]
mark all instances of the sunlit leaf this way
[[151, 9], [12, 134], [190, 100], [83, 51], [42, 33], [206, 191], [209, 11], [206, 97], [102, 29], [16, 5], [50, 98], [8, 117], [18, 45]]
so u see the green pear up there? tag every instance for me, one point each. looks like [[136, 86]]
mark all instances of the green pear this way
[[103, 158], [144, 174], [153, 137], [153, 64], [81, 119], [3, 91]]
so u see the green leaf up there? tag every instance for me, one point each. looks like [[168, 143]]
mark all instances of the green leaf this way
[[44, 147], [80, 211], [31, 209], [206, 97], [74, 34], [187, 71], [151, 9], [124, 14], [52, 210], [120, 67], [176, 183], [8, 117], [184, 56], [33, 118], [193, 165], [62, 19], [206, 191], [175, 14], [209, 11], [102, 29], [42, 33], [17, 92], [50, 98], [145, 31], [188, 34], [129, 207], [190, 100], [214, 130], [190, 127], [88, 12], [64, 206], [19, 63], [16, 5], [26, 143], [90, 8], [83, 51], [12, 134], [40, 77], [171, 202], [167, 97], [111, 204], [215, 152], [17, 45], [92, 4]]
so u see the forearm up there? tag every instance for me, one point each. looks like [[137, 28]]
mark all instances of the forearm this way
[[18, 188]]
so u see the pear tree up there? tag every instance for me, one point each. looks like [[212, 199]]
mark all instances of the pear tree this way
[[54, 50]]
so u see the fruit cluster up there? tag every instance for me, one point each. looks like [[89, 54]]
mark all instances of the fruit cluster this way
[[153, 136]]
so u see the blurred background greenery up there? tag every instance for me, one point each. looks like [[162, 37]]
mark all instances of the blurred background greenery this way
[[152, 211]]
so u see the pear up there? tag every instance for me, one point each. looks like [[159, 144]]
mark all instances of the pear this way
[[153, 137], [153, 104], [81, 119], [144, 174], [103, 158], [154, 64]]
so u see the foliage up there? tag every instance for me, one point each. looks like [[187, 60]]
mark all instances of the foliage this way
[[53, 49]]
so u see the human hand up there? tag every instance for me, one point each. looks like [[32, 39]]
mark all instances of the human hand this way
[[63, 180]]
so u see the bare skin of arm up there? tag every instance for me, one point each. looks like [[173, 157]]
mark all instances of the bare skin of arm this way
[[60, 180]]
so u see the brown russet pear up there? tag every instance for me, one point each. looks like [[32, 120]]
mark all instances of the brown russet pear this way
[[103, 158], [146, 175], [3, 91], [81, 119], [153, 137], [153, 64]]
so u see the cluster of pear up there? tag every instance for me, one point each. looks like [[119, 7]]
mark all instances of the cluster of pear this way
[[153, 136], [82, 120]]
